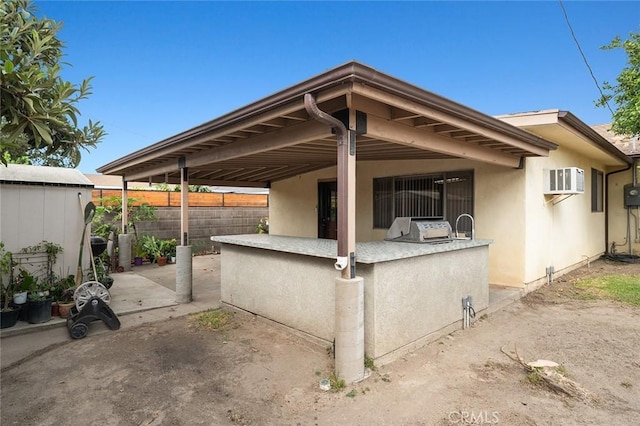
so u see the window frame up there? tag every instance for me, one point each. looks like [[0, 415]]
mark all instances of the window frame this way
[[386, 186], [597, 191]]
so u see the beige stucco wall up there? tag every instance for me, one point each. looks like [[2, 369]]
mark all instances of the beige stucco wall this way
[[529, 232], [293, 204], [618, 214], [561, 231]]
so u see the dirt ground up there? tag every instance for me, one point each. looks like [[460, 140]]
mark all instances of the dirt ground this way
[[252, 373]]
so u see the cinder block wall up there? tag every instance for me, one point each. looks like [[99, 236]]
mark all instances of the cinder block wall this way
[[203, 223]]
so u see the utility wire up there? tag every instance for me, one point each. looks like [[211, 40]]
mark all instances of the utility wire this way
[[584, 58]]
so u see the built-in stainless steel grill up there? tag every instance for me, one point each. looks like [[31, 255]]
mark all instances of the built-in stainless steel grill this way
[[420, 230]]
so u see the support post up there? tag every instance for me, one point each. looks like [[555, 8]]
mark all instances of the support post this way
[[349, 293], [125, 240], [184, 274], [184, 266], [125, 207]]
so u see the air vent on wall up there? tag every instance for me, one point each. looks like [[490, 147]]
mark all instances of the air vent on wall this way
[[567, 180]]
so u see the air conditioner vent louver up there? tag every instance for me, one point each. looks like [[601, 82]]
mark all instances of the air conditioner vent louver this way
[[567, 180]]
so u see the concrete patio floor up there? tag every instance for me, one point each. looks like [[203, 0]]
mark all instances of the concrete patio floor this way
[[146, 294]]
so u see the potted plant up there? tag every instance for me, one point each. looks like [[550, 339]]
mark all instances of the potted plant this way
[[170, 249], [66, 301], [38, 300], [62, 295], [8, 313], [139, 252], [153, 247]]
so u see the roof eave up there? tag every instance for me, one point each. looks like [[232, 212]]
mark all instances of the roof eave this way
[[588, 132], [346, 73]]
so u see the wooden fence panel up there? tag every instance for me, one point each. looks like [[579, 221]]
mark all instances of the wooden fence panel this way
[[196, 199], [246, 200]]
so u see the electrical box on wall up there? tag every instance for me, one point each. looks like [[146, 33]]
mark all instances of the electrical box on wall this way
[[631, 195], [567, 180]]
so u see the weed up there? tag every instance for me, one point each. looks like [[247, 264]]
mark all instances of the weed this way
[[368, 363], [534, 377], [318, 372], [626, 384], [212, 319], [337, 384], [352, 393], [562, 370]]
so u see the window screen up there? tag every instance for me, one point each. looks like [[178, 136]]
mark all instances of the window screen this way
[[445, 195]]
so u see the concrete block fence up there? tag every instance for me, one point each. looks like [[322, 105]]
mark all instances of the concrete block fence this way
[[203, 223]]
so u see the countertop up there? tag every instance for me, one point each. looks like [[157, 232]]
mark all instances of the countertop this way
[[366, 252]]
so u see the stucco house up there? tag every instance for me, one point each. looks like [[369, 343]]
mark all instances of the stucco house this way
[[347, 152]]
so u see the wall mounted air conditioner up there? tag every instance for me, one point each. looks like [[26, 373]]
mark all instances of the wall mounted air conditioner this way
[[567, 180]]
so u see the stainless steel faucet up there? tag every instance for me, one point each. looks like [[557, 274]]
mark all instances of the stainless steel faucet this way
[[473, 225]]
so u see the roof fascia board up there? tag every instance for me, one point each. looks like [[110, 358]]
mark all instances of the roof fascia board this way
[[566, 117]]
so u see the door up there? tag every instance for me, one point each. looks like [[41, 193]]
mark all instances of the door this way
[[328, 210]]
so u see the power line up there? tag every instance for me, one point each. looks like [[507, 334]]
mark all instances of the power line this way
[[584, 58]]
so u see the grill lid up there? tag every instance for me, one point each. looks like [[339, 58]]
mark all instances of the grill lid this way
[[419, 230]]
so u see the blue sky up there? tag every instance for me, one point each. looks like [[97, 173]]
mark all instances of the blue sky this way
[[163, 67]]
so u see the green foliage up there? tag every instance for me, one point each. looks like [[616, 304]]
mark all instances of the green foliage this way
[[368, 363], [337, 384], [109, 215], [623, 288], [352, 393], [52, 250], [176, 188], [6, 270], [626, 93], [263, 226], [39, 108]]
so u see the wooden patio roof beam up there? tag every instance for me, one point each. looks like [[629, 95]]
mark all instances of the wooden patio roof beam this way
[[281, 138], [410, 136]]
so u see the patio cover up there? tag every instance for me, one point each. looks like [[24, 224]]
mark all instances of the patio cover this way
[[274, 138]]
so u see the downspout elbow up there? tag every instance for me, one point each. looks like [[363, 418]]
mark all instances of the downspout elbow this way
[[312, 109]]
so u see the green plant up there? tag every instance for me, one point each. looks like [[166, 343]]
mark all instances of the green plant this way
[[52, 250], [352, 394], [368, 363], [152, 246], [109, 215], [6, 270], [263, 226], [337, 384], [169, 247]]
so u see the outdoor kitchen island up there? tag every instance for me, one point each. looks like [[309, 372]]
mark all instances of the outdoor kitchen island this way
[[412, 291]]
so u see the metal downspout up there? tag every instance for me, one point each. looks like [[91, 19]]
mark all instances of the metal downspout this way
[[343, 153]]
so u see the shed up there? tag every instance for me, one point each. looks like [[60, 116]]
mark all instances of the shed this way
[[39, 203]]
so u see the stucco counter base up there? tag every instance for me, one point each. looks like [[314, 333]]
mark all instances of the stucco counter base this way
[[412, 292]]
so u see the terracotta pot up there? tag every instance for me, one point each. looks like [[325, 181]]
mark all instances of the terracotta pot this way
[[65, 308], [162, 261]]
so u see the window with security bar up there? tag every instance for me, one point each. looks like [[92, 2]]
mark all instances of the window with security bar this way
[[439, 196]]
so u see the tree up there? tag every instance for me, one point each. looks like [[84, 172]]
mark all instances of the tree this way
[[38, 108], [626, 93]]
